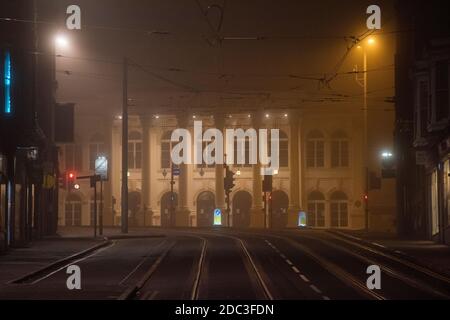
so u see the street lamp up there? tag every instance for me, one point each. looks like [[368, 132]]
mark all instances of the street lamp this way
[[61, 41], [363, 82]]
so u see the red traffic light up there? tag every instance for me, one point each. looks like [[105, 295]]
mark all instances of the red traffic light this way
[[366, 197], [71, 175]]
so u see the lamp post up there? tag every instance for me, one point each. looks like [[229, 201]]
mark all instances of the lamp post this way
[[363, 82]]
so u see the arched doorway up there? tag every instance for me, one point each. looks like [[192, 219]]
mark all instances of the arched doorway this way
[[73, 210], [280, 206], [242, 204], [168, 220], [205, 209]]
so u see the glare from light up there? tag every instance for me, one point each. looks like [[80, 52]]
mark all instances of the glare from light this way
[[267, 116], [285, 115], [387, 155], [61, 41], [76, 186], [371, 41], [238, 173], [156, 117]]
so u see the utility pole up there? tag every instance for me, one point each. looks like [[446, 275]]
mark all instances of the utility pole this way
[[172, 198], [366, 164], [363, 82], [100, 218], [124, 208]]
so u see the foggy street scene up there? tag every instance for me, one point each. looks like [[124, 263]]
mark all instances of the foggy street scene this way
[[243, 152]]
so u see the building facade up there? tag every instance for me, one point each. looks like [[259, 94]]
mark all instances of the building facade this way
[[321, 173], [422, 133]]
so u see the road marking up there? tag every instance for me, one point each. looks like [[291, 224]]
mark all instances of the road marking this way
[[315, 289], [295, 269], [304, 278], [289, 262], [283, 256], [378, 245], [326, 298]]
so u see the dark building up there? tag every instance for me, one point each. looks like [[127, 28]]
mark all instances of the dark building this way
[[422, 113], [28, 156]]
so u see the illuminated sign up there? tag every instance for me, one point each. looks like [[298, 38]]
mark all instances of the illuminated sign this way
[[217, 217], [7, 82], [101, 167], [302, 222]]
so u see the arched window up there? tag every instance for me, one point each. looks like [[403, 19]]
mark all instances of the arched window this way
[[339, 210], [96, 149], [166, 149], [73, 210], [315, 150], [316, 209], [135, 150], [339, 150]]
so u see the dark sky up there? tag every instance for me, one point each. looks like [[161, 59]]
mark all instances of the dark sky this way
[[303, 38]]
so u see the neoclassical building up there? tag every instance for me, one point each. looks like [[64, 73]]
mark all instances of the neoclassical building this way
[[321, 173]]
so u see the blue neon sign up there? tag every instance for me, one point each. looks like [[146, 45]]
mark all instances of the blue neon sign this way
[[7, 82]]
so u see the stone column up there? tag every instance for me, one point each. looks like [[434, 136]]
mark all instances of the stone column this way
[[183, 212], [295, 169], [146, 210], [219, 120], [257, 213]]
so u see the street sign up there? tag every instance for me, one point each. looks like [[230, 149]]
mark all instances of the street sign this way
[[101, 167], [302, 220], [217, 217]]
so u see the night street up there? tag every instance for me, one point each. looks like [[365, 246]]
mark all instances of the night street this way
[[217, 159], [214, 264]]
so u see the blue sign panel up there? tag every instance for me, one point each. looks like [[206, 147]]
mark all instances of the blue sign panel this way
[[217, 217]]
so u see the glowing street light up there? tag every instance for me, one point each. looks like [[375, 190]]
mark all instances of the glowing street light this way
[[61, 41]]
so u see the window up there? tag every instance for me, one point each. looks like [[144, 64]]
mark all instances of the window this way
[[339, 210], [73, 157], [166, 149], [339, 150], [315, 150], [96, 149], [422, 113], [73, 211], [245, 140], [204, 145], [135, 150], [442, 98], [284, 150], [316, 210]]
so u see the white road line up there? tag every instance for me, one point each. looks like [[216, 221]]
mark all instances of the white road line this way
[[378, 245], [326, 298], [315, 289], [304, 278], [283, 256], [289, 262], [295, 269]]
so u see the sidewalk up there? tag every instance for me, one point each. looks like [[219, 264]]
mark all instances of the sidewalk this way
[[18, 262], [427, 253]]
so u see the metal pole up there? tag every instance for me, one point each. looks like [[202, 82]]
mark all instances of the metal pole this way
[[124, 208], [172, 200], [95, 207], [366, 146], [100, 219]]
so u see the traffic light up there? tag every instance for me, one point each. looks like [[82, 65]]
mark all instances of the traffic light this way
[[267, 183], [71, 180], [228, 180]]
